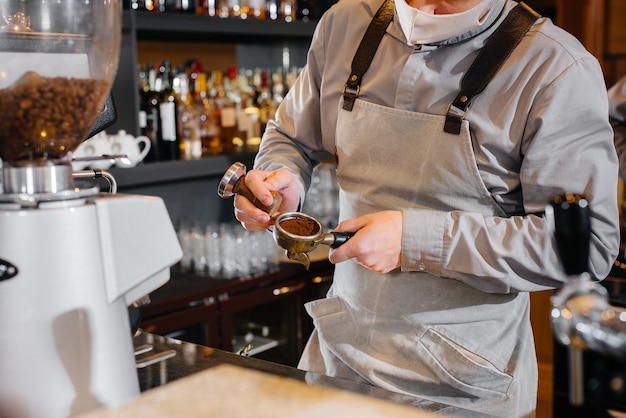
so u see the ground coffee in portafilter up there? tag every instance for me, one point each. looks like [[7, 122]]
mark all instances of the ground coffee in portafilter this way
[[303, 227], [47, 117]]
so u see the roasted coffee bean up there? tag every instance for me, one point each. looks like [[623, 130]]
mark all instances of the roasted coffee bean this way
[[47, 117]]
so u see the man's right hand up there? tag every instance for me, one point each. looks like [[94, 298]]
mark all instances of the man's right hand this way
[[261, 184]]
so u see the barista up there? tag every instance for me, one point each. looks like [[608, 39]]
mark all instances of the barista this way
[[431, 295]]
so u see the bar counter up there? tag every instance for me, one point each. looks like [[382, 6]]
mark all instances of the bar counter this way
[[161, 360]]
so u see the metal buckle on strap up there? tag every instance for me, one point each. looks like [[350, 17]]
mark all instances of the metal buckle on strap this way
[[351, 90], [349, 96], [456, 111], [454, 119]]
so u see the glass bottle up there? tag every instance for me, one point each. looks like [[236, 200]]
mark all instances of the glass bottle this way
[[223, 8], [272, 9], [256, 9], [209, 129], [266, 105], [306, 10], [207, 7], [225, 112], [188, 119], [177, 6], [167, 138], [149, 110], [288, 10]]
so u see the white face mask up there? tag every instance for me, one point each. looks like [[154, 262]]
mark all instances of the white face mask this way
[[424, 28]]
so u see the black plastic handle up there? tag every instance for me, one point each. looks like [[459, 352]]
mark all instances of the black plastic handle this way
[[572, 232], [340, 238]]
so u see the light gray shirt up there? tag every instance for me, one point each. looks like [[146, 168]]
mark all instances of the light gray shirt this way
[[617, 110], [539, 129]]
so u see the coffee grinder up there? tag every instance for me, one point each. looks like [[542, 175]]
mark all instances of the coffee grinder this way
[[72, 259]]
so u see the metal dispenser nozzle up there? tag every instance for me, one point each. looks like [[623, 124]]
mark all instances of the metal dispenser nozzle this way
[[582, 317]]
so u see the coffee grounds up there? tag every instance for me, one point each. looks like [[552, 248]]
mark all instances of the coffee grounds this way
[[300, 226]]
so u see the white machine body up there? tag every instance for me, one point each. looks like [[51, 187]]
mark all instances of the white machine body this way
[[68, 272]]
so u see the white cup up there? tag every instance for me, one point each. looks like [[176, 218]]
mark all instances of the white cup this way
[[93, 147], [135, 149]]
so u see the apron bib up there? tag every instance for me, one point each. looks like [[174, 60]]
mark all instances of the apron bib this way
[[412, 332]]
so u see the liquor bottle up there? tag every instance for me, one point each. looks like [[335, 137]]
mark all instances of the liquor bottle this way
[[256, 9], [267, 107], [144, 89], [138, 5], [278, 86], [209, 129], [306, 10], [288, 10], [167, 138], [272, 9], [241, 9], [241, 91], [253, 136], [151, 5], [225, 112], [223, 9], [149, 100], [177, 6], [188, 119], [207, 7], [249, 124]]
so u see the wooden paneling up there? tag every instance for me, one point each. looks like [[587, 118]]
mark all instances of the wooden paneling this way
[[616, 27], [583, 18], [213, 56], [542, 329]]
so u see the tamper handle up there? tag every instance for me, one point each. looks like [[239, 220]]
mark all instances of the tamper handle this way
[[233, 182], [240, 188], [572, 232]]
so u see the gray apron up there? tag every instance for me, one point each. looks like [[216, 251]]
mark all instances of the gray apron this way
[[412, 332]]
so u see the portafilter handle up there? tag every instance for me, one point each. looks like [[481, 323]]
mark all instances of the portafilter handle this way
[[233, 182]]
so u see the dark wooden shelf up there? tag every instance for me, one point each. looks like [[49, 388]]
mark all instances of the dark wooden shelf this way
[[181, 26], [181, 170]]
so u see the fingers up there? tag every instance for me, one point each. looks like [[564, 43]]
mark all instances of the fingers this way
[[377, 243], [251, 217], [261, 184], [256, 182]]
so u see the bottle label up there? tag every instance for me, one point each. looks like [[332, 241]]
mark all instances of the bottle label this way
[[229, 117], [143, 119], [168, 121]]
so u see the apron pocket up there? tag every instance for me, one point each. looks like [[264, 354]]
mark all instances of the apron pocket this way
[[461, 368], [323, 307], [337, 329]]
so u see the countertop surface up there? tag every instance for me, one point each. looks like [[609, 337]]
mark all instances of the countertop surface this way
[[162, 360]]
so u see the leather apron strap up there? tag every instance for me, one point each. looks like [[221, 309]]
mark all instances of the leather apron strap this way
[[366, 51], [491, 57]]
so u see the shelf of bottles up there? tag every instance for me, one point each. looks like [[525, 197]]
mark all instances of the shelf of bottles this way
[[203, 116], [284, 10], [238, 19], [189, 113]]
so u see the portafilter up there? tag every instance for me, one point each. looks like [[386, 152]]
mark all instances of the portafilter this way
[[296, 232]]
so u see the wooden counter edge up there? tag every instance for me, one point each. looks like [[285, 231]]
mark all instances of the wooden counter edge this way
[[235, 392]]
